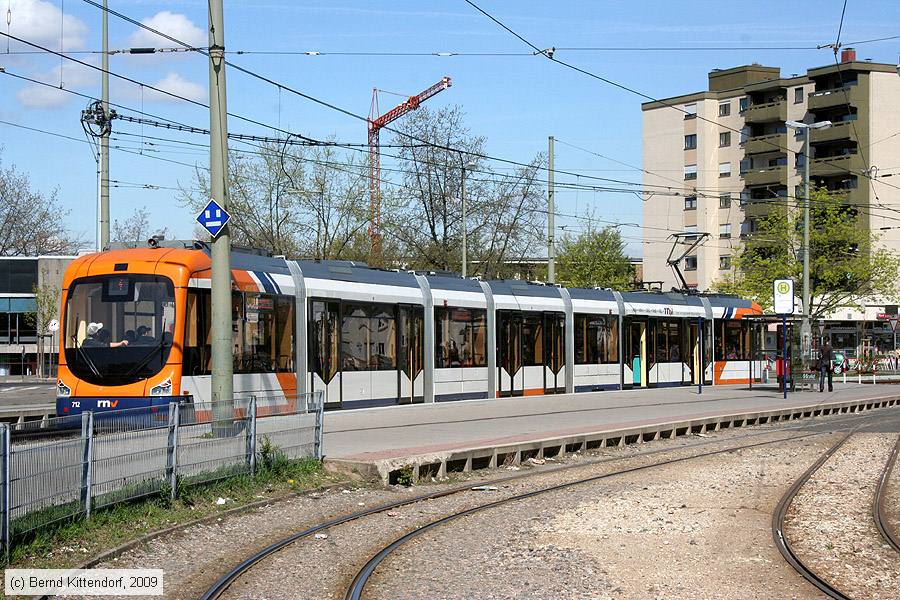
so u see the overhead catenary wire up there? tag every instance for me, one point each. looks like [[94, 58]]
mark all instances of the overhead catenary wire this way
[[549, 54], [332, 106]]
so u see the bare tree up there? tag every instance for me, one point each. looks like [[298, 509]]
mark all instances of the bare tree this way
[[30, 221], [505, 212], [300, 202], [136, 228], [46, 308]]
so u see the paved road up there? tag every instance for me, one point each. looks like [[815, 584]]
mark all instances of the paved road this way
[[372, 434], [27, 393]]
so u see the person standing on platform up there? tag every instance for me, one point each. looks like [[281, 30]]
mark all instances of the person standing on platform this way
[[826, 358]]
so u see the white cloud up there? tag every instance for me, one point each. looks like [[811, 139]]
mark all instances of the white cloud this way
[[174, 24], [176, 84], [74, 76], [42, 23]]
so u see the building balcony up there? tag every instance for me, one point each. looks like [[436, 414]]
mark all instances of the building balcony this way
[[836, 165], [849, 94], [766, 176], [766, 143], [763, 113], [838, 131]]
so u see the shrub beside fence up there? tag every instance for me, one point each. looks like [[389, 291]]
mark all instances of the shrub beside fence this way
[[96, 460]]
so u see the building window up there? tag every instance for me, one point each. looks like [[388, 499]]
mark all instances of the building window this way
[[690, 203], [725, 169], [724, 109], [745, 197], [724, 139], [744, 103], [690, 171], [745, 134], [725, 201], [798, 95], [798, 132], [799, 160], [747, 227], [690, 111], [725, 230], [690, 263], [691, 231], [690, 141], [724, 262]]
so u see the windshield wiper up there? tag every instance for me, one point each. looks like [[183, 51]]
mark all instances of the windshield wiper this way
[[87, 359], [143, 362]]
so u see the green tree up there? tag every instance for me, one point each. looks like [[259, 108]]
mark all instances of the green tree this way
[[596, 258], [847, 265]]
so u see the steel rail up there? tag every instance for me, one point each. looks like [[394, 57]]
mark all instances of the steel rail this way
[[224, 582], [355, 591], [781, 512], [878, 504]]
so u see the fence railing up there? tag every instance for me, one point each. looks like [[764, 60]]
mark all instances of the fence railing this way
[[61, 468]]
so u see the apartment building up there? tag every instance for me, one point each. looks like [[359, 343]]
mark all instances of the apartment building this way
[[726, 156]]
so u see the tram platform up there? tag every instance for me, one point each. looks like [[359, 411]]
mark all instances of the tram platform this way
[[435, 438]]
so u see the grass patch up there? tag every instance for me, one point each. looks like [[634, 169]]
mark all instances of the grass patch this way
[[73, 541]]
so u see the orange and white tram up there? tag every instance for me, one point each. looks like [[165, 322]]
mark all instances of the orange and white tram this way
[[136, 326]]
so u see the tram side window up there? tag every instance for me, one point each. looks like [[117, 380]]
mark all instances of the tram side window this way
[[368, 337], [323, 339], [460, 337], [532, 339], [668, 341], [197, 340], [262, 328], [596, 339], [732, 340]]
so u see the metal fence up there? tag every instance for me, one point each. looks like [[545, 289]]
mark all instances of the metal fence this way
[[57, 469]]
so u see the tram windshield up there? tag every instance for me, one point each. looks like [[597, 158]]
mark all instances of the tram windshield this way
[[119, 328]]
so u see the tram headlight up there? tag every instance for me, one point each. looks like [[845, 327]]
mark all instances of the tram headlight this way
[[163, 389], [62, 390]]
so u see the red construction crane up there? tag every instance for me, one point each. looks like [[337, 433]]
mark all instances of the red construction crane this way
[[375, 124]]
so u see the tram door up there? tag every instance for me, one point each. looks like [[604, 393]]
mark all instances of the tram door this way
[[693, 359], [637, 353], [510, 374], [555, 353], [411, 357], [324, 343]]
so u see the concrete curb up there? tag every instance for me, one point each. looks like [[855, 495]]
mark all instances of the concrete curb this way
[[438, 463]]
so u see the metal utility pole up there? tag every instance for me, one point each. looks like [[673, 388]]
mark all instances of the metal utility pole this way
[[805, 327], [464, 222], [551, 221], [103, 238], [222, 351]]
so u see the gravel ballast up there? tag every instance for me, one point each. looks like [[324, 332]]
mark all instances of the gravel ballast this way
[[696, 529]]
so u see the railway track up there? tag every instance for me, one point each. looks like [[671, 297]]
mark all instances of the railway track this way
[[780, 514], [359, 582], [878, 512]]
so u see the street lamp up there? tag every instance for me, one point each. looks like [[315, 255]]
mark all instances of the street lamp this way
[[805, 328], [466, 165]]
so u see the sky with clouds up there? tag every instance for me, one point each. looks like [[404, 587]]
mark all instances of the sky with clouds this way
[[514, 101]]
